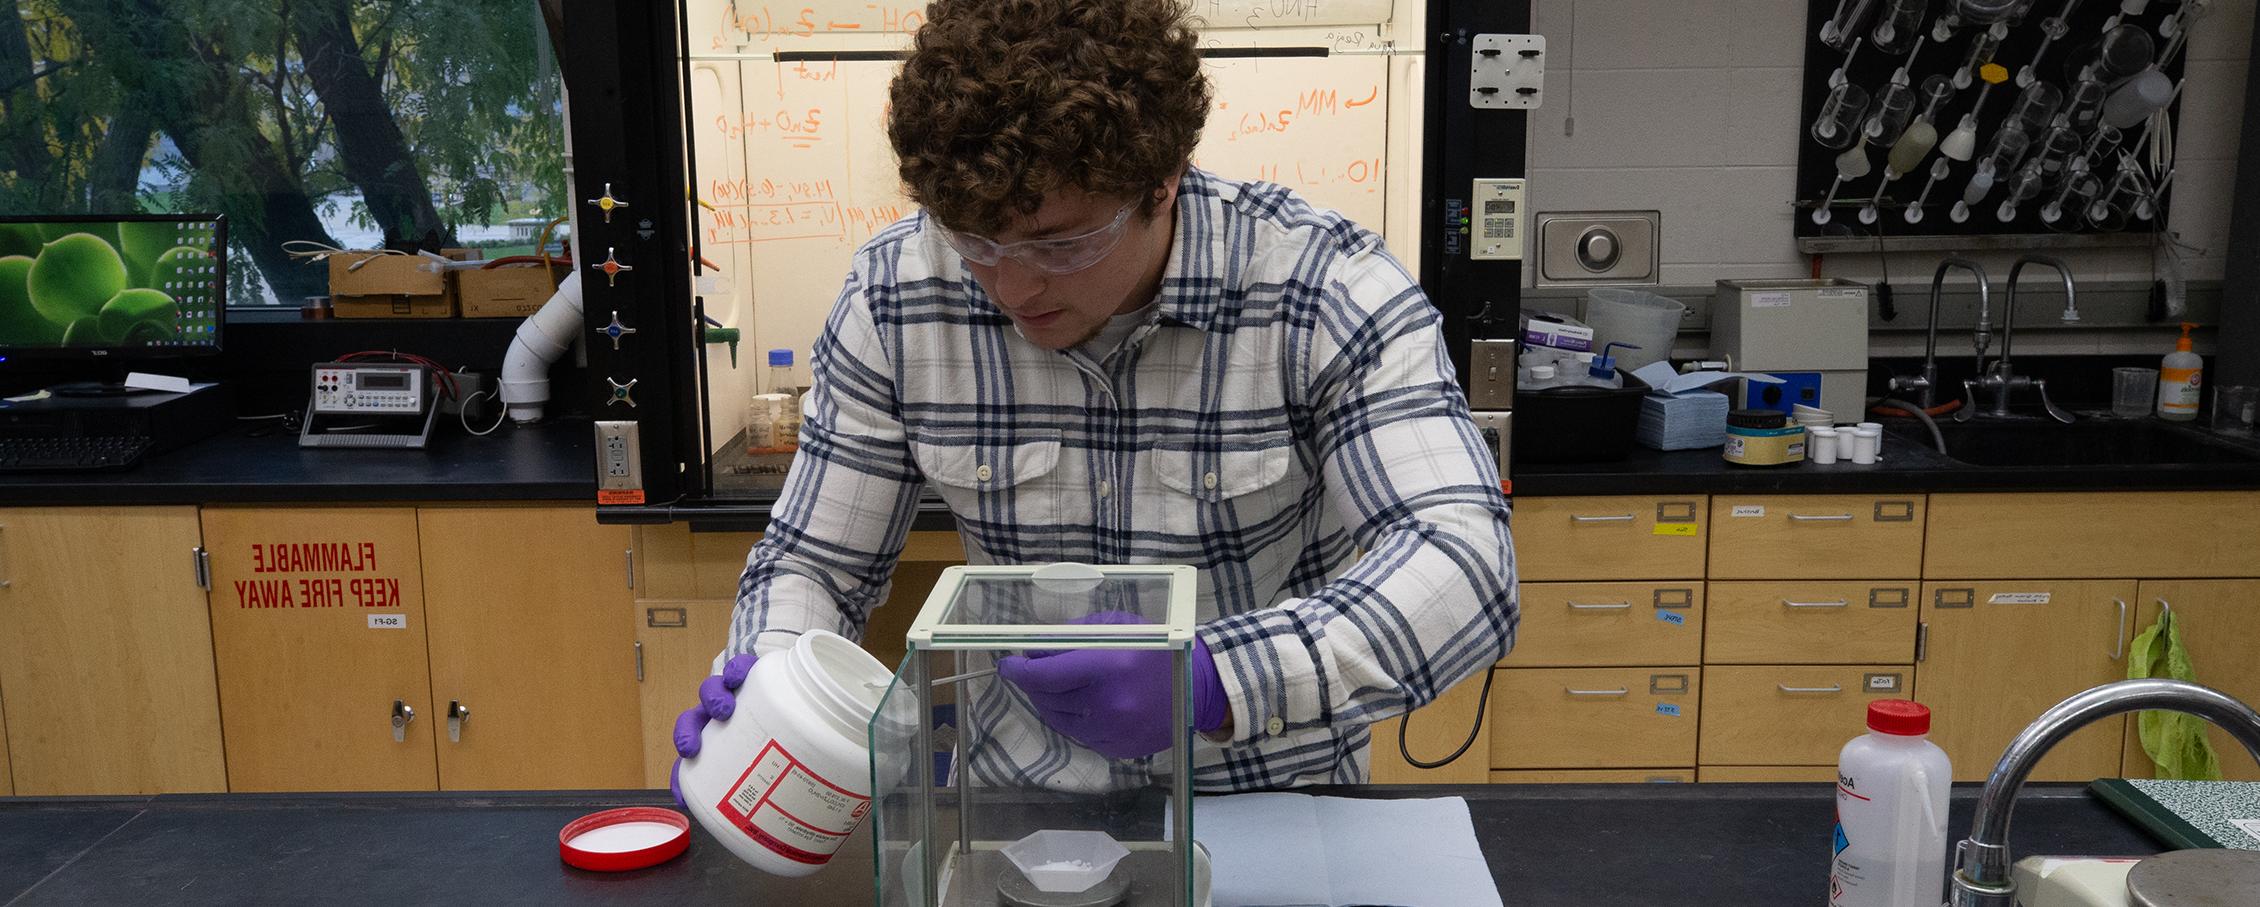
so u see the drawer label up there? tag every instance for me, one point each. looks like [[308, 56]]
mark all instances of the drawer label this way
[[1749, 510], [1667, 708], [1679, 529], [2018, 598], [1883, 683], [1673, 618], [388, 621]]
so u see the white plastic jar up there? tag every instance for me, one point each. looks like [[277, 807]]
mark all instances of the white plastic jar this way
[[787, 778]]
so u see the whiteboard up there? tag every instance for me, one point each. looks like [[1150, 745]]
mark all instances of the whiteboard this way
[[723, 24]]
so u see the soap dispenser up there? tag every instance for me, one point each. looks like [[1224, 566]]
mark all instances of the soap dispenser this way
[[2181, 377]]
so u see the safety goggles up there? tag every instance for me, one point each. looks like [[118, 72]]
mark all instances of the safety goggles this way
[[1051, 255]]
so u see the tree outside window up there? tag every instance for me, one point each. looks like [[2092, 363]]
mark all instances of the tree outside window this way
[[351, 123]]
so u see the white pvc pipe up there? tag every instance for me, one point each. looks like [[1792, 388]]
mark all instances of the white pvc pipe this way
[[542, 338]]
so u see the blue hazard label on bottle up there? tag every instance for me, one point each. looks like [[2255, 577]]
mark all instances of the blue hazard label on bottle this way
[[1841, 841]]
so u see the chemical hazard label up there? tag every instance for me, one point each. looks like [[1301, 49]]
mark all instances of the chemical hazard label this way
[[793, 811]]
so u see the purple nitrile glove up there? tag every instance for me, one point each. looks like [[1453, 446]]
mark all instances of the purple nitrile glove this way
[[1115, 701], [717, 701]]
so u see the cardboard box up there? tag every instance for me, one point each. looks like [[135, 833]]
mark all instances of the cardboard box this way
[[392, 286], [512, 291]]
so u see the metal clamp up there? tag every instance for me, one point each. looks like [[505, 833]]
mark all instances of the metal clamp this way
[[2119, 631], [1620, 691], [1599, 606], [457, 713], [1831, 688], [1616, 518], [1839, 603], [1821, 517], [401, 715]]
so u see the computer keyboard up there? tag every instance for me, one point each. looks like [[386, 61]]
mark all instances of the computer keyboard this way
[[80, 454]]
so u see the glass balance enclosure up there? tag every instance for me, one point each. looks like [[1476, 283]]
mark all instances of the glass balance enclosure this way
[[965, 776]]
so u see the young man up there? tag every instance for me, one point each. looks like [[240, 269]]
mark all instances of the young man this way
[[1095, 352]]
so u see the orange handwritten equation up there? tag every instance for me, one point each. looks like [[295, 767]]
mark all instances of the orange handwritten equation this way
[[1312, 103], [770, 189], [776, 222], [799, 129], [1363, 174], [747, 23]]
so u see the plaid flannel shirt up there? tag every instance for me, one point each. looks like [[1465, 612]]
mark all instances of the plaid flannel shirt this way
[[1290, 405]]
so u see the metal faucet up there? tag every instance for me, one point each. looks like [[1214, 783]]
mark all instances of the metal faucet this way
[[2000, 379], [1981, 861], [1927, 383]]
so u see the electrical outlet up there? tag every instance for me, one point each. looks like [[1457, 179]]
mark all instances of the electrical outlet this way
[[619, 463], [1497, 230], [1498, 431]]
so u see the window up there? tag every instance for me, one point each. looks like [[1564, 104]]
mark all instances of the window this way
[[349, 123]]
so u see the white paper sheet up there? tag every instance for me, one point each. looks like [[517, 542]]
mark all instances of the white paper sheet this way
[[1660, 377], [1282, 849]]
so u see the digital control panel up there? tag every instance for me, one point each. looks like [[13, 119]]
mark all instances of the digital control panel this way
[[381, 388]]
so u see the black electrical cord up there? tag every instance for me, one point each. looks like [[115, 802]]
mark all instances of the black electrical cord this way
[[1482, 703]]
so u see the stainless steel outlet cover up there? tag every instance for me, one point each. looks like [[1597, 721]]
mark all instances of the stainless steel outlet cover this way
[[1598, 247]]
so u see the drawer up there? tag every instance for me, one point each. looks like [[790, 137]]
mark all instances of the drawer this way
[[1596, 624], [2093, 535], [1609, 538], [1816, 536], [1792, 714], [1596, 776], [1809, 622], [1825, 774], [1594, 717]]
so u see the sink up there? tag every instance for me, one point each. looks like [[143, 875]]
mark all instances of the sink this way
[[2093, 442]]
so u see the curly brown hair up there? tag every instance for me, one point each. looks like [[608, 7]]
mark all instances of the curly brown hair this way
[[1004, 101]]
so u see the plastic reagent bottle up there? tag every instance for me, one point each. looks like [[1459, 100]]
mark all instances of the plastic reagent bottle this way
[[1891, 789], [781, 382], [2181, 378]]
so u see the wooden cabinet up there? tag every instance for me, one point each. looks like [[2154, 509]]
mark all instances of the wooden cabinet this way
[[1438, 728], [676, 641], [1595, 624], [1999, 653], [1810, 622], [1554, 718], [2092, 535], [530, 629], [318, 623], [105, 653], [1609, 538], [1768, 774], [1791, 714], [1815, 536], [2220, 625], [1595, 776]]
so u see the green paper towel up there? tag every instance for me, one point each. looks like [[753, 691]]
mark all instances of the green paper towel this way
[[2175, 740]]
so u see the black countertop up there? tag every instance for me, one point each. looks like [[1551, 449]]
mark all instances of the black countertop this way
[[1588, 845], [551, 461]]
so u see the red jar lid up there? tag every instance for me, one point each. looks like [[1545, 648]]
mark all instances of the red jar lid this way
[[1904, 717], [616, 840]]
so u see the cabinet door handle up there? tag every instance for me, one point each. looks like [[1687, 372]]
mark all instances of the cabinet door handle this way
[[401, 715], [1599, 606], [1613, 518], [457, 714], [631, 560], [1821, 517], [1839, 603], [1831, 688], [2119, 631], [5, 582], [1615, 692]]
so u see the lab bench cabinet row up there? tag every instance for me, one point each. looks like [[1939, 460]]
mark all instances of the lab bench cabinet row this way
[[178, 649], [1740, 638]]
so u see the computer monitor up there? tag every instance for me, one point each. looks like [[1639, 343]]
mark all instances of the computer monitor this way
[[102, 288]]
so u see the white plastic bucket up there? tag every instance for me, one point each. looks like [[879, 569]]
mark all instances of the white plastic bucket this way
[[1636, 317], [787, 778]]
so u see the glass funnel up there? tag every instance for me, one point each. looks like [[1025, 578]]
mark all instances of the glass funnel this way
[[976, 801]]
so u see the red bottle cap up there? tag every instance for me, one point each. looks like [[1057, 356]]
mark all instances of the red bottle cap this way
[[1903, 717], [616, 840]]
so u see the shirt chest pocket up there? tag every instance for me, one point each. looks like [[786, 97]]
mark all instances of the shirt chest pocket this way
[[992, 484], [1250, 480]]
